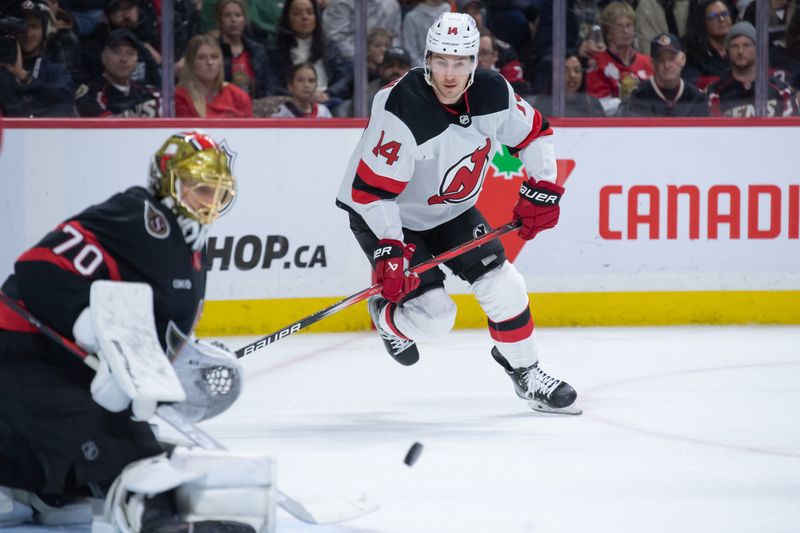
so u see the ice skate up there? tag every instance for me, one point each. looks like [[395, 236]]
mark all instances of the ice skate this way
[[404, 351], [543, 392]]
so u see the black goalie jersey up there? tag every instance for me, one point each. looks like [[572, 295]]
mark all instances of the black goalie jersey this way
[[420, 163], [129, 237]]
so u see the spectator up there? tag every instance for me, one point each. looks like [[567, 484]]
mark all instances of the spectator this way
[[339, 22], [416, 24], [62, 43], [122, 14], [507, 61], [87, 14], [475, 9], [246, 61], [186, 23], [489, 58], [509, 20], [618, 70], [787, 60], [734, 95], [33, 85], [202, 90], [708, 25], [666, 94], [780, 13], [378, 41], [577, 103], [300, 39], [656, 17], [396, 62], [114, 94], [262, 14], [302, 88]]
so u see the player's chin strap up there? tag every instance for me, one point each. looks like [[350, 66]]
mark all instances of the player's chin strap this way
[[317, 512]]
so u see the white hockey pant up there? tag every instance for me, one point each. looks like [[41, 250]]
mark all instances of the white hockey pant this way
[[210, 485], [424, 318], [502, 295]]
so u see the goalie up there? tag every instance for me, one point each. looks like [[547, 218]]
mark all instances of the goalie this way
[[68, 432]]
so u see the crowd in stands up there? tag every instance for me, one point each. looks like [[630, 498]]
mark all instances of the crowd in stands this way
[[294, 58]]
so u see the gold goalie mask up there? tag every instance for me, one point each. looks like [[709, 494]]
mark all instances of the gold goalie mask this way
[[195, 171]]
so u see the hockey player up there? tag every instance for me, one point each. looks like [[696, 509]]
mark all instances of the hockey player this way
[[65, 431], [411, 188]]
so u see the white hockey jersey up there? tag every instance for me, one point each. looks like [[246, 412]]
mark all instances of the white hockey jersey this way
[[420, 163]]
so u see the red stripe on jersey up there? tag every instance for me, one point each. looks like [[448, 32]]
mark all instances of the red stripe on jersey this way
[[377, 181], [47, 255], [11, 321], [536, 131]]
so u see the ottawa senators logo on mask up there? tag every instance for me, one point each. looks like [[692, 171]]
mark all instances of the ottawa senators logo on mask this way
[[463, 180]]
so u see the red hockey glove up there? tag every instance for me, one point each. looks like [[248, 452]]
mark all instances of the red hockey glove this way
[[537, 207], [391, 263]]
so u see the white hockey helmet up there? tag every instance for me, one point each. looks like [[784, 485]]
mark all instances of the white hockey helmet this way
[[453, 34]]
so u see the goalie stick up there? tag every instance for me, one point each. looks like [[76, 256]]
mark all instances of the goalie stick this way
[[319, 512], [370, 291]]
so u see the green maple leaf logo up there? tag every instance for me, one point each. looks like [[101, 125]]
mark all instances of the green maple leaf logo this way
[[505, 164]]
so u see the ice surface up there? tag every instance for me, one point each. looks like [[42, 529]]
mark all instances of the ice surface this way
[[685, 429]]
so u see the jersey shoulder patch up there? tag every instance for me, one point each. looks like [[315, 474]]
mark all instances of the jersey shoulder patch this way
[[155, 221]]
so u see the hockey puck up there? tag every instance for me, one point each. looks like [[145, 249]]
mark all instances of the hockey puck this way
[[413, 454]]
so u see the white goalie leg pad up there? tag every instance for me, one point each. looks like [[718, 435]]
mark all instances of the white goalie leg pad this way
[[124, 503], [502, 295], [426, 317], [18, 506], [13, 512], [235, 486]]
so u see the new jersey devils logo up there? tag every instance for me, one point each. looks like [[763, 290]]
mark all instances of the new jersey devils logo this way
[[463, 180]]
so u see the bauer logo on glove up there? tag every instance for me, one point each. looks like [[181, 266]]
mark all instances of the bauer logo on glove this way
[[538, 196]]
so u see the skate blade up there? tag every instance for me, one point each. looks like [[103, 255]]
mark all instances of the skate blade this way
[[543, 408]]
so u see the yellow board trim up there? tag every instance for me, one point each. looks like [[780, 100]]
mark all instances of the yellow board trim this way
[[260, 317]]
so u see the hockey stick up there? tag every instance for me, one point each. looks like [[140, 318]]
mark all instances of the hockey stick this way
[[321, 512], [374, 289]]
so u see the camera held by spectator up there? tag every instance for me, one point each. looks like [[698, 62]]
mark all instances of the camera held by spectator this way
[[12, 30]]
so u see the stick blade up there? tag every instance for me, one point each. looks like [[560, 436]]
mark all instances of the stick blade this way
[[328, 511]]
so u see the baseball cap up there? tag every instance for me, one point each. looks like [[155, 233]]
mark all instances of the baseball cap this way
[[34, 8], [396, 53], [119, 35], [739, 29], [665, 41]]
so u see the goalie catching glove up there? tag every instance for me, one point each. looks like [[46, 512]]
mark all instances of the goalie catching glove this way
[[537, 208], [391, 259]]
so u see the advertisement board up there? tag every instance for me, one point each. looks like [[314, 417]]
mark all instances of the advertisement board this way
[[658, 225]]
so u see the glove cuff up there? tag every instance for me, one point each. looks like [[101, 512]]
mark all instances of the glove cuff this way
[[387, 249]]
